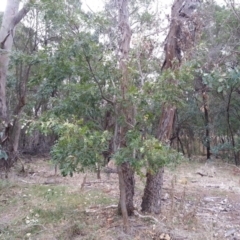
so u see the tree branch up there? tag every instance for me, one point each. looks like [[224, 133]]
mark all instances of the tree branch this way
[[21, 13], [96, 81]]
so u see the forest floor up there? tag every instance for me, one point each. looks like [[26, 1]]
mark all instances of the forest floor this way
[[201, 201]]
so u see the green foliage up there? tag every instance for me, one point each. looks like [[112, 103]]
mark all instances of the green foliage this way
[[77, 146], [146, 152], [74, 83]]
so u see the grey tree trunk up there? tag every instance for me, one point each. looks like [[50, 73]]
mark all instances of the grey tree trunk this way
[[11, 18], [10, 134], [125, 172]]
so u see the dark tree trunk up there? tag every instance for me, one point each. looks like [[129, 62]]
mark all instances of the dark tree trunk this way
[[98, 172], [206, 122], [181, 144], [236, 155], [151, 201], [129, 182]]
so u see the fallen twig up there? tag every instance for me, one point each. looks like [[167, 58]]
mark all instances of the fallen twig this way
[[202, 174], [100, 182], [111, 206], [94, 209], [26, 181], [145, 217]]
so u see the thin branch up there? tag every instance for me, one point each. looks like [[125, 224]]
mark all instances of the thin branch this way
[[234, 10], [97, 82], [21, 14]]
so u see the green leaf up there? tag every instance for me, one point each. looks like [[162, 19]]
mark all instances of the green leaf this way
[[220, 89]]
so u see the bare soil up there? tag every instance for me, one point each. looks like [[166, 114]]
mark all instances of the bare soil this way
[[199, 201]]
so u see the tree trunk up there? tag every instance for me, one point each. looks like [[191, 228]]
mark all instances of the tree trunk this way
[[179, 39], [125, 172], [235, 154], [6, 41], [206, 123], [11, 18], [129, 183], [151, 201]]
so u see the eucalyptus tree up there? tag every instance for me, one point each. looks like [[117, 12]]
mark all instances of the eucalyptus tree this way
[[179, 41], [12, 16], [125, 171]]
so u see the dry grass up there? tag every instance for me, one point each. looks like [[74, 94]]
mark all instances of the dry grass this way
[[38, 205]]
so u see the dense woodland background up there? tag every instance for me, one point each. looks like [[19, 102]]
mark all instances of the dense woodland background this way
[[134, 83]]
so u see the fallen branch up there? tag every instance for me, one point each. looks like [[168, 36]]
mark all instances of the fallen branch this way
[[96, 209], [26, 181], [91, 210], [147, 217], [213, 186], [202, 174], [100, 182], [111, 206]]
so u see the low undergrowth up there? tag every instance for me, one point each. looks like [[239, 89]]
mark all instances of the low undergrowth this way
[[200, 201], [35, 211]]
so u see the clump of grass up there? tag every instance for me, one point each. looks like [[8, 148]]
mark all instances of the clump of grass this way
[[6, 185], [72, 230]]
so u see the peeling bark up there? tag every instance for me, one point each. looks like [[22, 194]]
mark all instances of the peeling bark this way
[[179, 39]]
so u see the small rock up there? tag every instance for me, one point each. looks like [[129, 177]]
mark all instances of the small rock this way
[[165, 197], [230, 232], [224, 201], [183, 181], [164, 236]]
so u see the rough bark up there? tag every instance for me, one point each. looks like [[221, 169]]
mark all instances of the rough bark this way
[[126, 174], [151, 201], [179, 40], [129, 183], [166, 123]]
